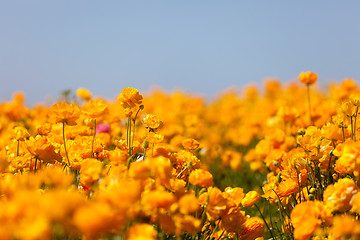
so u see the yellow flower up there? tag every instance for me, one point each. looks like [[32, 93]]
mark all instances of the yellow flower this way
[[305, 218], [348, 109], [90, 171], [64, 112], [95, 108], [252, 228], [84, 94], [41, 148], [188, 204], [308, 78], [44, 128], [345, 225], [21, 133], [355, 99], [20, 162], [130, 97], [236, 194], [232, 158], [338, 196], [154, 138], [95, 219], [250, 199], [151, 121], [201, 177], [158, 199], [141, 231], [355, 203], [287, 187], [190, 144], [217, 203], [186, 223]]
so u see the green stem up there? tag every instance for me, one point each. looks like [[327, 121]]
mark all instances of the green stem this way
[[215, 229], [357, 109], [184, 169], [92, 143], [66, 154], [133, 134], [203, 214], [36, 159], [343, 133], [267, 226], [129, 137], [127, 131], [309, 103], [18, 148], [152, 150], [352, 127]]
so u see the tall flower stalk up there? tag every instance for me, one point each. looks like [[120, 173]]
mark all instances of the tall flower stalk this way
[[308, 78], [129, 99], [94, 109], [66, 114], [64, 139]]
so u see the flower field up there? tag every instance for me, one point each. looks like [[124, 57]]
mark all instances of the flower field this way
[[280, 162]]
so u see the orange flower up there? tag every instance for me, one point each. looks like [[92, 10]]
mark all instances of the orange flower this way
[[186, 223], [232, 158], [355, 99], [252, 228], [188, 204], [338, 196], [190, 144], [151, 121], [21, 133], [141, 231], [44, 150], [130, 97], [287, 187], [161, 168], [94, 220], [90, 171], [250, 199], [154, 138], [95, 108], [19, 162], [64, 112], [308, 78], [345, 225], [140, 170], [305, 218], [84, 94], [348, 160], [201, 177], [236, 194], [216, 205], [44, 128], [355, 203], [158, 199], [348, 109], [233, 219]]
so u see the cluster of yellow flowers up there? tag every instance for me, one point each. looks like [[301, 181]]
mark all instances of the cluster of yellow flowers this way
[[139, 167], [312, 157], [128, 168]]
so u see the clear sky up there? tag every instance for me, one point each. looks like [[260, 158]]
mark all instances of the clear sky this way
[[200, 46]]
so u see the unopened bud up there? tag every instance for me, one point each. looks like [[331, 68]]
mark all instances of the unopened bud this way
[[279, 177], [311, 197], [145, 144]]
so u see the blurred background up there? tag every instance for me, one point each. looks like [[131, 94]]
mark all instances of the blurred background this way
[[201, 47]]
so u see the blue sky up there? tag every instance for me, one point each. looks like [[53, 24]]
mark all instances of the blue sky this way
[[202, 47]]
